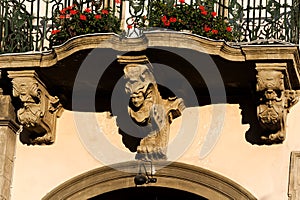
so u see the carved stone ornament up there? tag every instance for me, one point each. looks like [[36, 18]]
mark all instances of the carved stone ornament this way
[[148, 110], [274, 101], [38, 110]]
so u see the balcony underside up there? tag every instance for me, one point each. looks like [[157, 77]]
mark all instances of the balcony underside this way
[[91, 61], [86, 74]]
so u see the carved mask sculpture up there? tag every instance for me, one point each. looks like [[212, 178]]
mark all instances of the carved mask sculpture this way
[[38, 109], [274, 103], [147, 109]]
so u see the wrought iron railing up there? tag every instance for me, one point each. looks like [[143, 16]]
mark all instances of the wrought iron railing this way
[[265, 19], [26, 25]]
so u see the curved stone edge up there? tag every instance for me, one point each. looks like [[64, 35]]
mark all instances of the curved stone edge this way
[[170, 175], [150, 39], [195, 42]]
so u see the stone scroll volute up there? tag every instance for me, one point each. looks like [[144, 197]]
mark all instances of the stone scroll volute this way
[[38, 110], [274, 100]]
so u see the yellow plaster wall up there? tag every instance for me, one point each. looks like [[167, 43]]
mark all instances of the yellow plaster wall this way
[[262, 170]]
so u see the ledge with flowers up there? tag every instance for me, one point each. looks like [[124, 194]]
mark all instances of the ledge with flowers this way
[[198, 18], [71, 22]]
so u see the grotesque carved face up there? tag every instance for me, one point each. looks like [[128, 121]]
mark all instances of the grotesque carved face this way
[[137, 99], [138, 78]]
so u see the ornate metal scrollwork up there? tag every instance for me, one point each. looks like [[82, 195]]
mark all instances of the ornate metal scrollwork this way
[[16, 27], [26, 25], [268, 20], [274, 101], [38, 109], [136, 11]]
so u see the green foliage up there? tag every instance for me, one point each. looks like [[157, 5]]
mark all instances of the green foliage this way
[[72, 22], [198, 18]]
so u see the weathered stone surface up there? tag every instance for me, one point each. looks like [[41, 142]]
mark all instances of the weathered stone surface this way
[[39, 109], [149, 111], [175, 175], [8, 128], [294, 176], [274, 100], [7, 167], [4, 188]]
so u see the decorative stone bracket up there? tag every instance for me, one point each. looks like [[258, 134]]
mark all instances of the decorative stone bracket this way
[[38, 110], [148, 110], [274, 100]]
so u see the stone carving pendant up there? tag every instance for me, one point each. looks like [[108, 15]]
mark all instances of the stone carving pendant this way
[[150, 111]]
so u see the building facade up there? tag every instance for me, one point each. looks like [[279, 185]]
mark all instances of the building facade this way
[[128, 100]]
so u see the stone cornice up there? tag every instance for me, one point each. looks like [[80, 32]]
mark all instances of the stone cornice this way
[[195, 42], [270, 52], [152, 39]]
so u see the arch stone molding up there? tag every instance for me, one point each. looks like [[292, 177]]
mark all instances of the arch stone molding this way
[[174, 175]]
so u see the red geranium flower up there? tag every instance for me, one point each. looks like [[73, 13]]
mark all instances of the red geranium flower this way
[[53, 32], [73, 12], [105, 12], [173, 19], [214, 31], [167, 23], [181, 1], [82, 17], [129, 26], [206, 28], [229, 29], [98, 16], [118, 1], [63, 11], [204, 12], [164, 18], [88, 10], [202, 8], [62, 16], [213, 14], [69, 7]]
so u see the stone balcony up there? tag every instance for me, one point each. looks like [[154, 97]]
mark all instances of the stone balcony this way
[[84, 73], [259, 70]]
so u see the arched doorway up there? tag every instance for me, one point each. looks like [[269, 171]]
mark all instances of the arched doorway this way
[[179, 178]]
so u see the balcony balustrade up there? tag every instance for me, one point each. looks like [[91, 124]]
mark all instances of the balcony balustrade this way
[[26, 25]]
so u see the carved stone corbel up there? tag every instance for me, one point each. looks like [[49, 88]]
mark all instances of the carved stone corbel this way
[[38, 110], [148, 109], [274, 100]]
